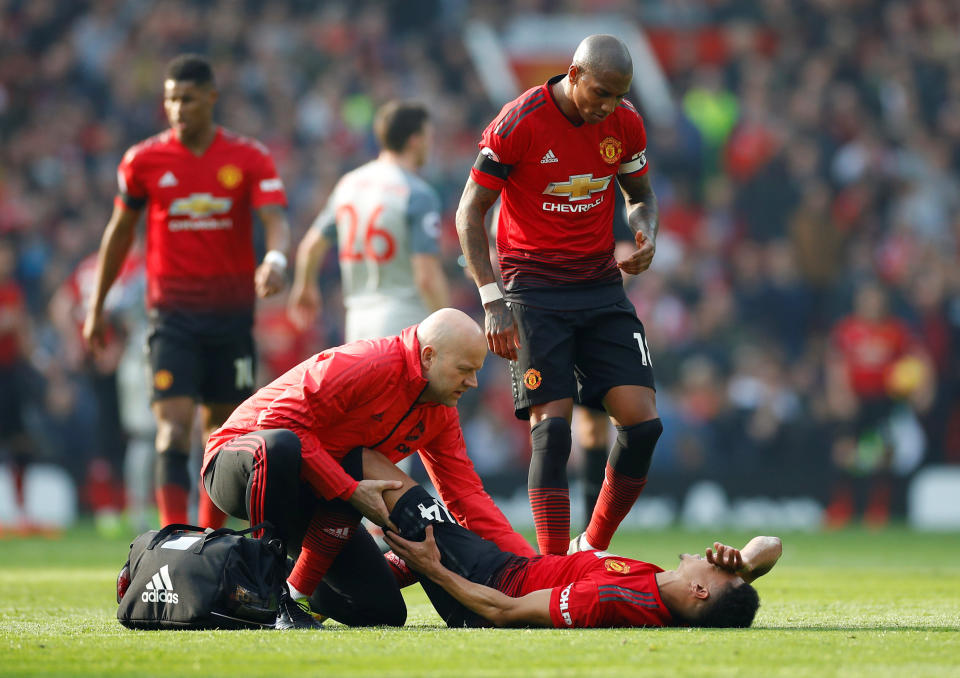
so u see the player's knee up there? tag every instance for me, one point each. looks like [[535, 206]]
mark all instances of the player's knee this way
[[551, 439], [634, 449], [172, 437], [283, 449]]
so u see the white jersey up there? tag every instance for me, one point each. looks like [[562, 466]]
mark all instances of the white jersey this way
[[380, 215]]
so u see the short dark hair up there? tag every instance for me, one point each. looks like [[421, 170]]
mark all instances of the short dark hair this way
[[192, 68], [397, 121], [733, 607]]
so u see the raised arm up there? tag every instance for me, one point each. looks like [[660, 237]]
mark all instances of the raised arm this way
[[499, 325], [499, 609], [114, 246], [754, 560]]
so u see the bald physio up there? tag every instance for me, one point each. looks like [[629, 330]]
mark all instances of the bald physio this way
[[452, 351]]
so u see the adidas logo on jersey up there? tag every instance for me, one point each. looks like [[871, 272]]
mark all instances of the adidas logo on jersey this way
[[160, 588], [167, 180], [548, 157]]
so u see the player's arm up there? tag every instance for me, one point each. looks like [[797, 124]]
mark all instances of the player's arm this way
[[305, 300], [643, 218], [499, 609], [754, 560], [271, 274], [114, 246], [475, 202], [430, 280]]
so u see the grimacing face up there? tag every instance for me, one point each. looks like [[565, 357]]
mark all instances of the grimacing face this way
[[698, 568], [189, 106], [597, 95]]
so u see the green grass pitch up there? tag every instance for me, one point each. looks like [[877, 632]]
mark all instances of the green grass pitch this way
[[849, 603]]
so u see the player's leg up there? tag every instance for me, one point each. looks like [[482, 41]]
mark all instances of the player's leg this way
[[227, 380], [359, 589], [174, 364], [543, 389], [591, 432], [614, 360]]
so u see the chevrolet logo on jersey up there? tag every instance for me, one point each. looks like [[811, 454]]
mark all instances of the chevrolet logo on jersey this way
[[200, 205], [578, 187]]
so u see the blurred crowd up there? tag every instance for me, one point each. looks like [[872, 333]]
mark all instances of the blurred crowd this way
[[802, 311]]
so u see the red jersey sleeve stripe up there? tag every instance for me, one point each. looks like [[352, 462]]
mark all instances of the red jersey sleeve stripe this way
[[519, 112]]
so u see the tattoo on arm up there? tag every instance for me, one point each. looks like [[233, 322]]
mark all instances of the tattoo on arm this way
[[474, 204], [643, 213]]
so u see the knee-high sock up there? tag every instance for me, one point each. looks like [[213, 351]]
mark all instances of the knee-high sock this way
[[326, 536], [172, 486], [624, 479], [547, 484], [594, 463], [208, 514]]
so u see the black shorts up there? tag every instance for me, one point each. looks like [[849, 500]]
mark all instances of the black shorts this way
[[579, 354], [208, 357]]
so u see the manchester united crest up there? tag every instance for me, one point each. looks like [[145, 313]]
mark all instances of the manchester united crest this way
[[617, 566], [229, 176], [610, 150], [162, 380], [532, 379]]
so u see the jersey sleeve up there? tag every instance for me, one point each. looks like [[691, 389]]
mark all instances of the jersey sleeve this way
[[326, 222], [452, 473], [266, 186], [575, 605], [423, 216], [502, 145], [635, 161], [131, 191]]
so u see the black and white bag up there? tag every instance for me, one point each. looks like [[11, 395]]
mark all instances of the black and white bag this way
[[185, 577]]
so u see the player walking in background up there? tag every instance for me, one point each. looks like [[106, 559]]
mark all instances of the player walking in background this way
[[199, 183], [386, 221], [554, 156]]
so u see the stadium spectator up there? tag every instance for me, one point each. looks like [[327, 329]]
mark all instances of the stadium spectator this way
[[569, 330], [290, 455], [199, 183]]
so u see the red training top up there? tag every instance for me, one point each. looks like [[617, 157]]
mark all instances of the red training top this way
[[365, 394], [199, 225]]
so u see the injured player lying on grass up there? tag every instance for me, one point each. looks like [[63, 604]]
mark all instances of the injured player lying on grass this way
[[472, 582]]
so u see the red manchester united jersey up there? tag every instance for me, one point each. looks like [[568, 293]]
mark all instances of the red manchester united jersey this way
[[199, 223], [557, 199], [597, 589], [870, 350]]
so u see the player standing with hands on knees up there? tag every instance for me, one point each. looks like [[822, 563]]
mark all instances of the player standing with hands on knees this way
[[199, 183], [554, 157]]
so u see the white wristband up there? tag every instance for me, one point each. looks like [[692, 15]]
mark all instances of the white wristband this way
[[276, 257], [490, 292]]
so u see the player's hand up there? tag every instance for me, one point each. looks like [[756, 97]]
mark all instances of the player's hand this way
[[94, 330], [269, 279], [303, 305], [642, 257], [726, 558], [368, 499], [422, 556], [501, 329]]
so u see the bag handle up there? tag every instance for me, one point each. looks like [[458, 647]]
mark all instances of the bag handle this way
[[167, 530], [209, 535]]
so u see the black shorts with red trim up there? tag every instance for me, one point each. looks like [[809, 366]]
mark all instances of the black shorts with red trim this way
[[207, 356], [578, 354]]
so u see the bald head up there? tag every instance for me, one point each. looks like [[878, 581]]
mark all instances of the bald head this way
[[599, 54], [452, 351]]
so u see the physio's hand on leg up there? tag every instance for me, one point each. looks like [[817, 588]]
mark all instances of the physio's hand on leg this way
[[368, 500]]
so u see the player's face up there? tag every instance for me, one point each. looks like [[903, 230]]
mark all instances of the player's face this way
[[597, 95], [453, 373], [699, 569], [189, 106]]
